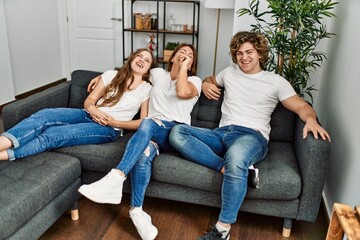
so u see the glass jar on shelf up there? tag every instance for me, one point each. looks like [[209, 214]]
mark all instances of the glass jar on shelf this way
[[154, 21], [139, 21], [170, 22], [147, 21]]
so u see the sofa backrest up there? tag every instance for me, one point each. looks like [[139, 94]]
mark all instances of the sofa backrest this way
[[78, 91], [207, 113]]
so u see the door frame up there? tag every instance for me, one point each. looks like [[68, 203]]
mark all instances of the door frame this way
[[64, 38]]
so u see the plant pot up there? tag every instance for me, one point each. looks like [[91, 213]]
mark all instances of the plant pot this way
[[167, 54]]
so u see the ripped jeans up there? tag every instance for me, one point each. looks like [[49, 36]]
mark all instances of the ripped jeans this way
[[151, 136]]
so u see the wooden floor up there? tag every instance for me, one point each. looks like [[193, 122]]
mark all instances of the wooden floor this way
[[175, 221]]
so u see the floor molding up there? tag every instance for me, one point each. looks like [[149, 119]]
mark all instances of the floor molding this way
[[36, 90]]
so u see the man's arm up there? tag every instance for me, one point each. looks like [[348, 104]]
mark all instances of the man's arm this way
[[92, 84], [308, 115]]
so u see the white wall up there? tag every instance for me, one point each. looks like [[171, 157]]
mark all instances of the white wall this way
[[339, 104], [208, 39], [6, 79], [34, 43], [38, 48], [337, 101]]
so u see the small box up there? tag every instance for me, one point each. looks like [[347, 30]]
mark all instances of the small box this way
[[167, 54]]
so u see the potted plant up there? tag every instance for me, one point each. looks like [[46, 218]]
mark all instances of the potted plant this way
[[169, 48], [294, 30]]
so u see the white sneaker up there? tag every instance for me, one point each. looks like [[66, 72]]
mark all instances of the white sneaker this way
[[106, 190], [142, 222]]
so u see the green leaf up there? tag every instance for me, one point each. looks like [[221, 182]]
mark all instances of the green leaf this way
[[293, 26]]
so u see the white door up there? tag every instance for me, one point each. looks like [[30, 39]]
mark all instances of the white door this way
[[95, 32]]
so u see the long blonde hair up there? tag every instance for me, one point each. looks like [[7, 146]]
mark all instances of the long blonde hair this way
[[115, 90]]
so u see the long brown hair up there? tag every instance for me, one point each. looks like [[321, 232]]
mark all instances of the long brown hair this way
[[117, 87], [192, 71]]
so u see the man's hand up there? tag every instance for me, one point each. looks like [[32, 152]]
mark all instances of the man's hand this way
[[316, 130], [211, 91], [92, 84]]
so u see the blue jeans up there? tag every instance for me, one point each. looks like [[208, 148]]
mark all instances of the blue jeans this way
[[54, 128], [233, 147], [140, 152], [140, 175]]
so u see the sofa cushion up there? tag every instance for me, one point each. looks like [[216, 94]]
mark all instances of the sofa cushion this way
[[99, 157], [79, 82], [28, 185], [173, 169], [279, 174]]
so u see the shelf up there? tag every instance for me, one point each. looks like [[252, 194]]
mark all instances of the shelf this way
[[172, 1], [162, 35], [160, 31]]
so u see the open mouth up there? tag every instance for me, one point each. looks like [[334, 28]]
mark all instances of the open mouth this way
[[139, 64]]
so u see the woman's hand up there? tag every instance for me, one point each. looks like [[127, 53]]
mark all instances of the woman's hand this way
[[185, 62], [99, 116]]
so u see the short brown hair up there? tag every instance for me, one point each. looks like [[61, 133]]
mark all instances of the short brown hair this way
[[256, 39]]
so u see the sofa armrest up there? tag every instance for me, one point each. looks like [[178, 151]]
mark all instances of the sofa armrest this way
[[313, 158], [56, 96]]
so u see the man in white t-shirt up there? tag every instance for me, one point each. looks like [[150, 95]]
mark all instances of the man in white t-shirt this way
[[250, 96]]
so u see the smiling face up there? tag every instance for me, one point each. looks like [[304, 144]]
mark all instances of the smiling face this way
[[142, 62], [184, 52], [248, 58]]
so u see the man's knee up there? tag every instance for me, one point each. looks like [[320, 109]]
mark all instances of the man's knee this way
[[177, 134], [236, 164]]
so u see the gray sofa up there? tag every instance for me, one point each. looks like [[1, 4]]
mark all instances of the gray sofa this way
[[291, 176]]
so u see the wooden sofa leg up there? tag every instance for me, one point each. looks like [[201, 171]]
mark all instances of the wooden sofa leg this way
[[74, 214], [287, 227], [74, 211]]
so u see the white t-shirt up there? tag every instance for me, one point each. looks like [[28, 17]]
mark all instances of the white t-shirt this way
[[250, 99], [130, 102], [164, 103]]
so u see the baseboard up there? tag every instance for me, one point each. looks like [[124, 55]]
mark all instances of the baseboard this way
[[36, 90], [324, 211], [39, 89]]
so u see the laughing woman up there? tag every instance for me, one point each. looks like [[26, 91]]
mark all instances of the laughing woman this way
[[175, 92], [108, 111]]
